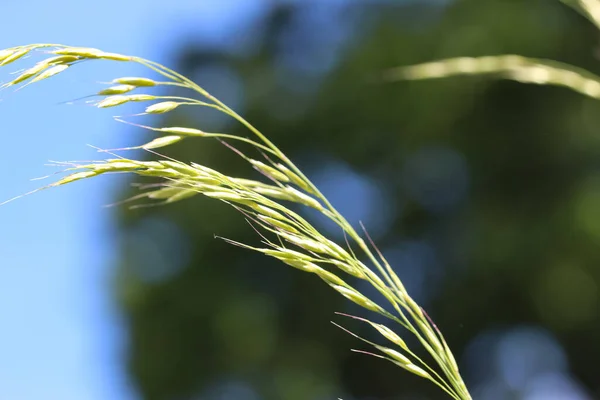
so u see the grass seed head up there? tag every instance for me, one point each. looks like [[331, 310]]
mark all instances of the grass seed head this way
[[141, 97], [268, 211], [269, 171], [303, 198], [348, 268], [401, 358], [13, 56], [164, 193], [302, 265], [113, 101], [162, 107], [205, 181], [88, 52], [273, 192], [75, 177], [4, 54], [183, 194], [431, 336], [417, 371], [227, 196], [61, 60], [183, 131], [357, 298], [337, 250], [329, 278], [85, 52], [313, 248], [206, 188], [161, 173], [301, 183], [287, 254], [145, 164], [251, 183], [50, 72], [161, 142], [117, 166], [278, 224], [36, 69], [119, 89], [305, 243], [181, 167], [134, 81], [115, 57], [118, 99], [389, 335]]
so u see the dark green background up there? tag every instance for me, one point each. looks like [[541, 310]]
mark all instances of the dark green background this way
[[484, 192]]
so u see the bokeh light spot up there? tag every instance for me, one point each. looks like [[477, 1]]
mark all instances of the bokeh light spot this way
[[161, 247], [436, 177]]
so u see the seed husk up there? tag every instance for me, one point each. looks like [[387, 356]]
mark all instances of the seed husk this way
[[15, 55], [183, 131], [113, 101], [120, 89], [162, 107], [57, 69], [135, 81], [162, 142]]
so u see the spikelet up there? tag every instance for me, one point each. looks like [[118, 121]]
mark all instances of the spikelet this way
[[119, 89], [134, 81], [278, 224], [329, 278], [4, 54], [183, 131], [91, 53], [269, 171], [286, 254], [117, 100], [389, 334], [293, 177], [57, 69], [164, 193], [36, 69], [162, 107], [61, 60], [305, 266], [302, 198], [113, 101], [13, 56], [358, 298], [181, 167], [268, 211], [75, 177], [182, 195], [141, 97], [161, 142]]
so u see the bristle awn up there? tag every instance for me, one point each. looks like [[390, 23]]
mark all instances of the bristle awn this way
[[392, 274]]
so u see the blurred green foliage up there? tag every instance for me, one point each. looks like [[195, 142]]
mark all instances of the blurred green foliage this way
[[500, 181]]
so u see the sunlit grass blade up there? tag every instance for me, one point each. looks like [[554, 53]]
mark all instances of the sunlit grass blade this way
[[512, 67]]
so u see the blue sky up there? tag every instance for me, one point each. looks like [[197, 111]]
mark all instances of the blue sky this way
[[60, 335]]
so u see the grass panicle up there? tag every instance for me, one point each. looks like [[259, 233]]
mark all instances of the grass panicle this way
[[517, 68], [266, 204], [514, 67]]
